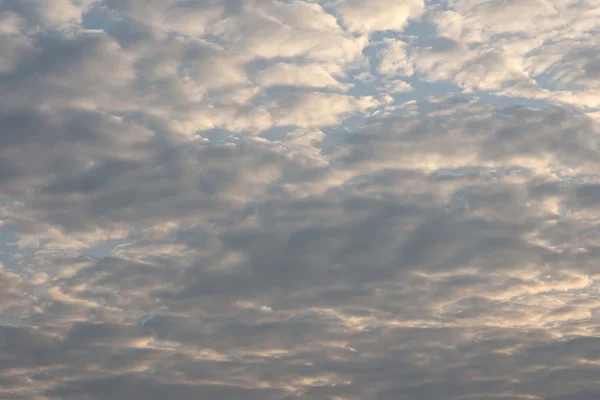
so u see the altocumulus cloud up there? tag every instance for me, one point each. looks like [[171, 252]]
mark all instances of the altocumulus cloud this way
[[309, 199]]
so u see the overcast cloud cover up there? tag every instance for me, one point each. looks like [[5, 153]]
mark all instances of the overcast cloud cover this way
[[299, 199]]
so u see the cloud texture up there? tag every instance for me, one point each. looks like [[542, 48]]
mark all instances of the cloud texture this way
[[329, 200]]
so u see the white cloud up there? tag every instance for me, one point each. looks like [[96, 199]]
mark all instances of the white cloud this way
[[378, 15], [536, 44], [270, 29], [318, 109]]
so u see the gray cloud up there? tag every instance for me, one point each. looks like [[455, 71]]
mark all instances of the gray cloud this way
[[230, 199]]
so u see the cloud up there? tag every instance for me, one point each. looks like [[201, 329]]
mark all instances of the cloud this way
[[394, 60], [45, 14], [379, 15], [318, 109], [536, 46], [312, 75], [298, 199]]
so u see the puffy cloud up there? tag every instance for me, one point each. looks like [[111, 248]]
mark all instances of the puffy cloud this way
[[378, 15], [537, 48]]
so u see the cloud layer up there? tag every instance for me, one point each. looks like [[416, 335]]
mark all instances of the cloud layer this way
[[264, 199]]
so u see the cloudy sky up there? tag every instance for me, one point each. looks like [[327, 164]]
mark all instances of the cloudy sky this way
[[299, 199]]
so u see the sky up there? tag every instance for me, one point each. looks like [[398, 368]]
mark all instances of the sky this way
[[299, 199]]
